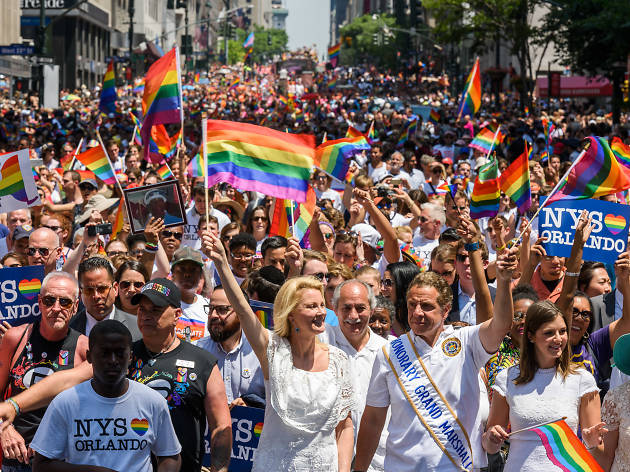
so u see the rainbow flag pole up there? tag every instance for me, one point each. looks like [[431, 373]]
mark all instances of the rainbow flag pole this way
[[204, 151], [496, 133], [74, 156], [536, 426]]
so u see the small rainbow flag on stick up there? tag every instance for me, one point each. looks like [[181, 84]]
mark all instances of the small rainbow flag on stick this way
[[264, 312], [410, 131], [333, 157], [485, 142], [564, 448], [120, 219], [164, 171], [281, 223], [333, 54], [471, 97], [96, 160], [434, 116], [195, 167], [108, 93]]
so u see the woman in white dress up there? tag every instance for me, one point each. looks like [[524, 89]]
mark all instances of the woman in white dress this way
[[309, 389], [543, 388]]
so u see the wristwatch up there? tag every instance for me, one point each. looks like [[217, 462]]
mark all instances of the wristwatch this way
[[471, 247]]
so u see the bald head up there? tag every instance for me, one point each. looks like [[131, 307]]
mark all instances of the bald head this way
[[44, 236]]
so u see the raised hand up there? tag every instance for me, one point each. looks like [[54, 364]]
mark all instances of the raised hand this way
[[507, 263], [153, 229], [212, 247]]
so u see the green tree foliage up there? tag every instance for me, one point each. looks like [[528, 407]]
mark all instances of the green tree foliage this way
[[263, 51], [360, 43]]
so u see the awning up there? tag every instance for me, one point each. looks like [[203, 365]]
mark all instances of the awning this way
[[577, 86]]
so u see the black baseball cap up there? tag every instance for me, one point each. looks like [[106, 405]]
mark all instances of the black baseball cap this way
[[161, 292]]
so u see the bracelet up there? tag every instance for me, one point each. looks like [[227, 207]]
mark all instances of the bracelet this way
[[588, 448], [471, 247], [571, 274], [499, 249], [150, 245], [14, 404]]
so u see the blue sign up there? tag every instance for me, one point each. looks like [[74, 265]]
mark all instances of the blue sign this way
[[19, 287], [608, 239], [247, 424], [17, 50]]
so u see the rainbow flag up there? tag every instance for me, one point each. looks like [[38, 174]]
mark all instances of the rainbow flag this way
[[544, 157], [164, 171], [452, 189], [596, 174], [282, 101], [485, 141], [471, 97], [333, 54], [95, 159], [264, 312], [108, 92], [514, 182], [249, 42], [302, 214], [371, 133], [138, 126], [195, 166], [434, 116], [410, 130], [530, 153], [484, 200], [120, 219], [196, 78], [621, 151], [564, 448], [138, 86], [162, 99], [333, 157], [332, 82], [251, 157], [353, 132], [234, 83], [12, 180]]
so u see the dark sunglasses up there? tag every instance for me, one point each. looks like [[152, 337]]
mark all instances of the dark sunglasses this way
[[174, 234], [259, 218], [423, 219], [321, 276], [461, 257], [64, 302], [125, 284], [43, 251], [387, 283], [585, 315], [54, 228]]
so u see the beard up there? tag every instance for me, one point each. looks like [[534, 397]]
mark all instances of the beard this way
[[221, 332]]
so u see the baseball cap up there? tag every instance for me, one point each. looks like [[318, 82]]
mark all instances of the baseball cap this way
[[161, 292], [186, 253], [154, 194], [23, 231], [91, 182]]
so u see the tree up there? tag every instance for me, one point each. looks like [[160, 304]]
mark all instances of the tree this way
[[267, 42], [591, 36], [369, 38], [484, 22]]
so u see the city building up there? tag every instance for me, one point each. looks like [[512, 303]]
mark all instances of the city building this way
[[12, 68]]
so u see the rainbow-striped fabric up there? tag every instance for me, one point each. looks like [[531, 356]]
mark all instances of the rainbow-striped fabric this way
[[564, 449], [621, 151], [264, 312], [281, 224], [164, 171], [471, 96], [95, 159], [12, 180], [333, 53], [515, 182], [485, 140], [434, 116], [484, 201], [120, 217], [107, 103], [195, 166], [333, 157]]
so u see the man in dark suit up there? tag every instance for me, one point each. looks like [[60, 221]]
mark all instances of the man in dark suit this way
[[98, 294], [604, 309]]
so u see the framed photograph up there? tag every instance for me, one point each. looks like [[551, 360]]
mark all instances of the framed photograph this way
[[163, 200]]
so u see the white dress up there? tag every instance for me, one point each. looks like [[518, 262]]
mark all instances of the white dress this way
[[548, 397], [616, 415], [303, 410]]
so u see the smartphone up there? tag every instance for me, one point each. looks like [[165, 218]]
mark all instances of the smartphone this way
[[396, 182], [104, 228]]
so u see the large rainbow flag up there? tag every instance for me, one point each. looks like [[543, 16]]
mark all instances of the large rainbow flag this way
[[471, 97], [162, 99], [256, 158], [515, 181], [333, 157], [596, 174], [621, 152], [95, 159], [281, 223], [108, 92], [564, 448], [17, 183]]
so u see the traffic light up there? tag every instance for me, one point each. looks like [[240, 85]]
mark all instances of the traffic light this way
[[187, 45], [231, 31], [376, 38], [268, 39]]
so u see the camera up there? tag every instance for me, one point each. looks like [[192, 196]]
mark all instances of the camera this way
[[103, 228], [384, 191]]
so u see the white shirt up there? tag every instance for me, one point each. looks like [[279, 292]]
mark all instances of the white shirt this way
[[191, 325], [332, 195], [190, 237], [90, 321], [617, 378], [378, 173], [416, 178], [240, 368], [467, 306], [410, 447], [424, 247]]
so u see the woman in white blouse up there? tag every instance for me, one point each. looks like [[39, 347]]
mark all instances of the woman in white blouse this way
[[308, 384]]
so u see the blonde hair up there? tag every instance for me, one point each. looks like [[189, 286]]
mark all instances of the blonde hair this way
[[288, 298]]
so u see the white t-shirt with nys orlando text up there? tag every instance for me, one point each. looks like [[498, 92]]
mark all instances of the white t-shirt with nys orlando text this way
[[82, 427]]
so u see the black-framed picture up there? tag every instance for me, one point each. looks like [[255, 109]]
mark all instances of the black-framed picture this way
[[163, 200]]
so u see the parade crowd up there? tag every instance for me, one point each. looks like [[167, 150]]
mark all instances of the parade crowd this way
[[406, 335]]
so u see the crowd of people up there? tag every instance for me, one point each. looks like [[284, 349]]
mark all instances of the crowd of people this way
[[406, 335]]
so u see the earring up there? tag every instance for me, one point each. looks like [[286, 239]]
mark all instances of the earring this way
[[297, 330]]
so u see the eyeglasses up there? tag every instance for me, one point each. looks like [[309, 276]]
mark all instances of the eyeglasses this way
[[437, 170], [585, 315], [461, 257], [387, 283], [43, 251], [125, 284], [321, 276], [519, 316], [54, 228], [64, 302], [242, 257], [259, 218], [174, 234], [100, 289], [423, 219], [222, 310]]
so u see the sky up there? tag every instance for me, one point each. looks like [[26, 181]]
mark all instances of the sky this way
[[308, 23]]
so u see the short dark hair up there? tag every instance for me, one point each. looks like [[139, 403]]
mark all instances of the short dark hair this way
[[74, 175], [105, 327], [273, 242], [198, 189], [243, 239], [95, 263]]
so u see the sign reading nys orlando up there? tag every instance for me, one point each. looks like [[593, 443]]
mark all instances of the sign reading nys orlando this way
[[609, 238], [19, 287], [247, 424]]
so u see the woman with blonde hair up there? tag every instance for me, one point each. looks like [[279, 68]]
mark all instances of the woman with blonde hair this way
[[308, 384]]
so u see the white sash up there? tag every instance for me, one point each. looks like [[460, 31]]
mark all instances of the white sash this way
[[428, 402]]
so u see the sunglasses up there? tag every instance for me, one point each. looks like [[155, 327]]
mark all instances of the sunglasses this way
[[519, 316], [387, 283], [585, 315], [174, 234], [436, 170], [259, 218], [125, 284], [423, 219], [100, 289], [328, 235], [54, 228], [461, 257], [321, 276], [64, 302], [43, 251]]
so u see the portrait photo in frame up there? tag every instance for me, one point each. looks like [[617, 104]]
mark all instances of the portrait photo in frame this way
[[163, 200]]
